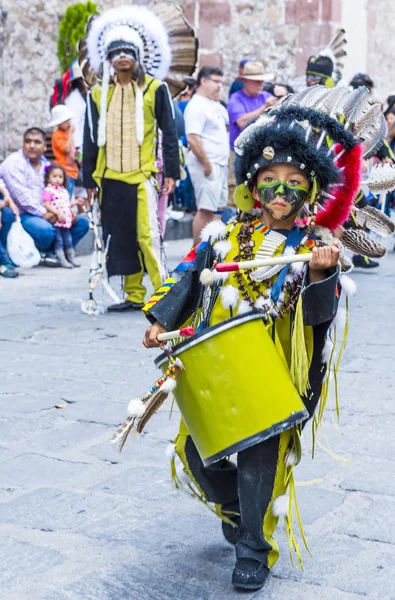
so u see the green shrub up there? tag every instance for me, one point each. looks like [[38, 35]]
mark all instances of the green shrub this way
[[71, 30]]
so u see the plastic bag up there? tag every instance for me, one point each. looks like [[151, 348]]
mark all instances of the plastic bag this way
[[21, 248]]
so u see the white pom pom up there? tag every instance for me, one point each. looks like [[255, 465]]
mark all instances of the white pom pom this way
[[169, 385], [298, 267], [136, 408], [281, 506], [260, 303], [340, 319], [215, 230], [206, 277], [182, 476], [230, 297], [348, 285], [170, 451], [289, 251], [221, 249], [324, 235], [290, 460], [220, 277], [244, 308], [327, 350]]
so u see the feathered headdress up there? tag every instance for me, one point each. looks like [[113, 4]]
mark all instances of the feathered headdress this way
[[133, 28], [328, 64], [325, 133], [161, 40]]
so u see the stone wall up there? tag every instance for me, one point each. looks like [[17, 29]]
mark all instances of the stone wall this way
[[280, 33]]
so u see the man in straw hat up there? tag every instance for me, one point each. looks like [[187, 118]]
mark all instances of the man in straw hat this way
[[130, 46], [251, 101]]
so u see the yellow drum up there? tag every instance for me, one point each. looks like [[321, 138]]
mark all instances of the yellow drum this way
[[235, 390]]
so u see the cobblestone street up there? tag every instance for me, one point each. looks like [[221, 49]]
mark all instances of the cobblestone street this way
[[78, 521]]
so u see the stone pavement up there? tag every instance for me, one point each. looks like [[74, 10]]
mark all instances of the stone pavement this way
[[78, 521]]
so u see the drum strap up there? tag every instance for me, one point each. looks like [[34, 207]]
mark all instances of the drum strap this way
[[293, 240]]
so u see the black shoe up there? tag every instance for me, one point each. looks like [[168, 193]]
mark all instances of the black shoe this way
[[249, 574], [124, 306], [364, 262], [231, 534], [49, 260]]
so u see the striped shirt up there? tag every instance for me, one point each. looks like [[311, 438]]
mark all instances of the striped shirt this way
[[24, 183]]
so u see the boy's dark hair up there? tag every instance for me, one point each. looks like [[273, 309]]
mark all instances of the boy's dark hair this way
[[36, 131], [48, 170], [206, 72]]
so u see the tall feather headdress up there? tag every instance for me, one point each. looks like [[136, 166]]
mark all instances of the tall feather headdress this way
[[161, 39]]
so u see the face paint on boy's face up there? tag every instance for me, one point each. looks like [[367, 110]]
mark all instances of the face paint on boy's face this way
[[292, 195]]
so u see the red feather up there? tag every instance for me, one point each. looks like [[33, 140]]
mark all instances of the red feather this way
[[337, 211]]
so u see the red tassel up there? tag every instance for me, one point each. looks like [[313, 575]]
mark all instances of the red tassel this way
[[337, 211]]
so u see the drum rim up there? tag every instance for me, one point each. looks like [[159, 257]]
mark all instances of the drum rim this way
[[208, 333], [288, 423]]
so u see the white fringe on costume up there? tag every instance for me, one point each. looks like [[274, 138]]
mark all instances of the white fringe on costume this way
[[215, 230]]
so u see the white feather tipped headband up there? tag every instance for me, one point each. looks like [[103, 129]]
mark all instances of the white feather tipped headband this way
[[147, 31], [138, 27]]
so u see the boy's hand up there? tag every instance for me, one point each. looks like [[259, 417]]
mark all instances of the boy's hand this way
[[149, 340], [324, 258]]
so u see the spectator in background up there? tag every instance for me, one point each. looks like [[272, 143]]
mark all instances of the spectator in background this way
[[23, 175], [237, 84], [280, 90], [390, 118], [249, 103], [206, 130], [76, 103], [8, 213], [63, 143], [185, 96], [362, 79]]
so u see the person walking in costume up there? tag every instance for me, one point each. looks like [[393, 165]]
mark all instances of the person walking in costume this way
[[290, 163], [120, 138]]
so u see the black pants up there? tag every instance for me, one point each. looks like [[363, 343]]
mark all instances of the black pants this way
[[248, 489]]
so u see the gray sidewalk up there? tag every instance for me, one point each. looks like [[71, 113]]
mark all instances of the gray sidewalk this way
[[78, 521]]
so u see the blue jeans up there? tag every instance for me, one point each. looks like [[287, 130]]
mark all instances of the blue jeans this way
[[63, 239], [70, 186], [43, 232], [7, 219]]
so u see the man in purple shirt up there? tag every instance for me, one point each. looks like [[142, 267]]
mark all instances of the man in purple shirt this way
[[23, 175], [250, 102]]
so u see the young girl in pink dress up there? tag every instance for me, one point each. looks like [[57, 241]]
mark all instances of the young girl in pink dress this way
[[57, 201]]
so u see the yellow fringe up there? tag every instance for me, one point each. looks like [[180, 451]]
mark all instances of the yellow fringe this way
[[292, 542], [333, 365], [299, 357], [193, 490]]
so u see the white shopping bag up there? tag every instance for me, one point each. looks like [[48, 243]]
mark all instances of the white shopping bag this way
[[21, 248]]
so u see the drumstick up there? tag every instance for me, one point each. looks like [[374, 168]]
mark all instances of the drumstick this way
[[171, 335], [262, 262]]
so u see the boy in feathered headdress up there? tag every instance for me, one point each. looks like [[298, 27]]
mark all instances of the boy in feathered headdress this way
[[130, 45], [291, 162]]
